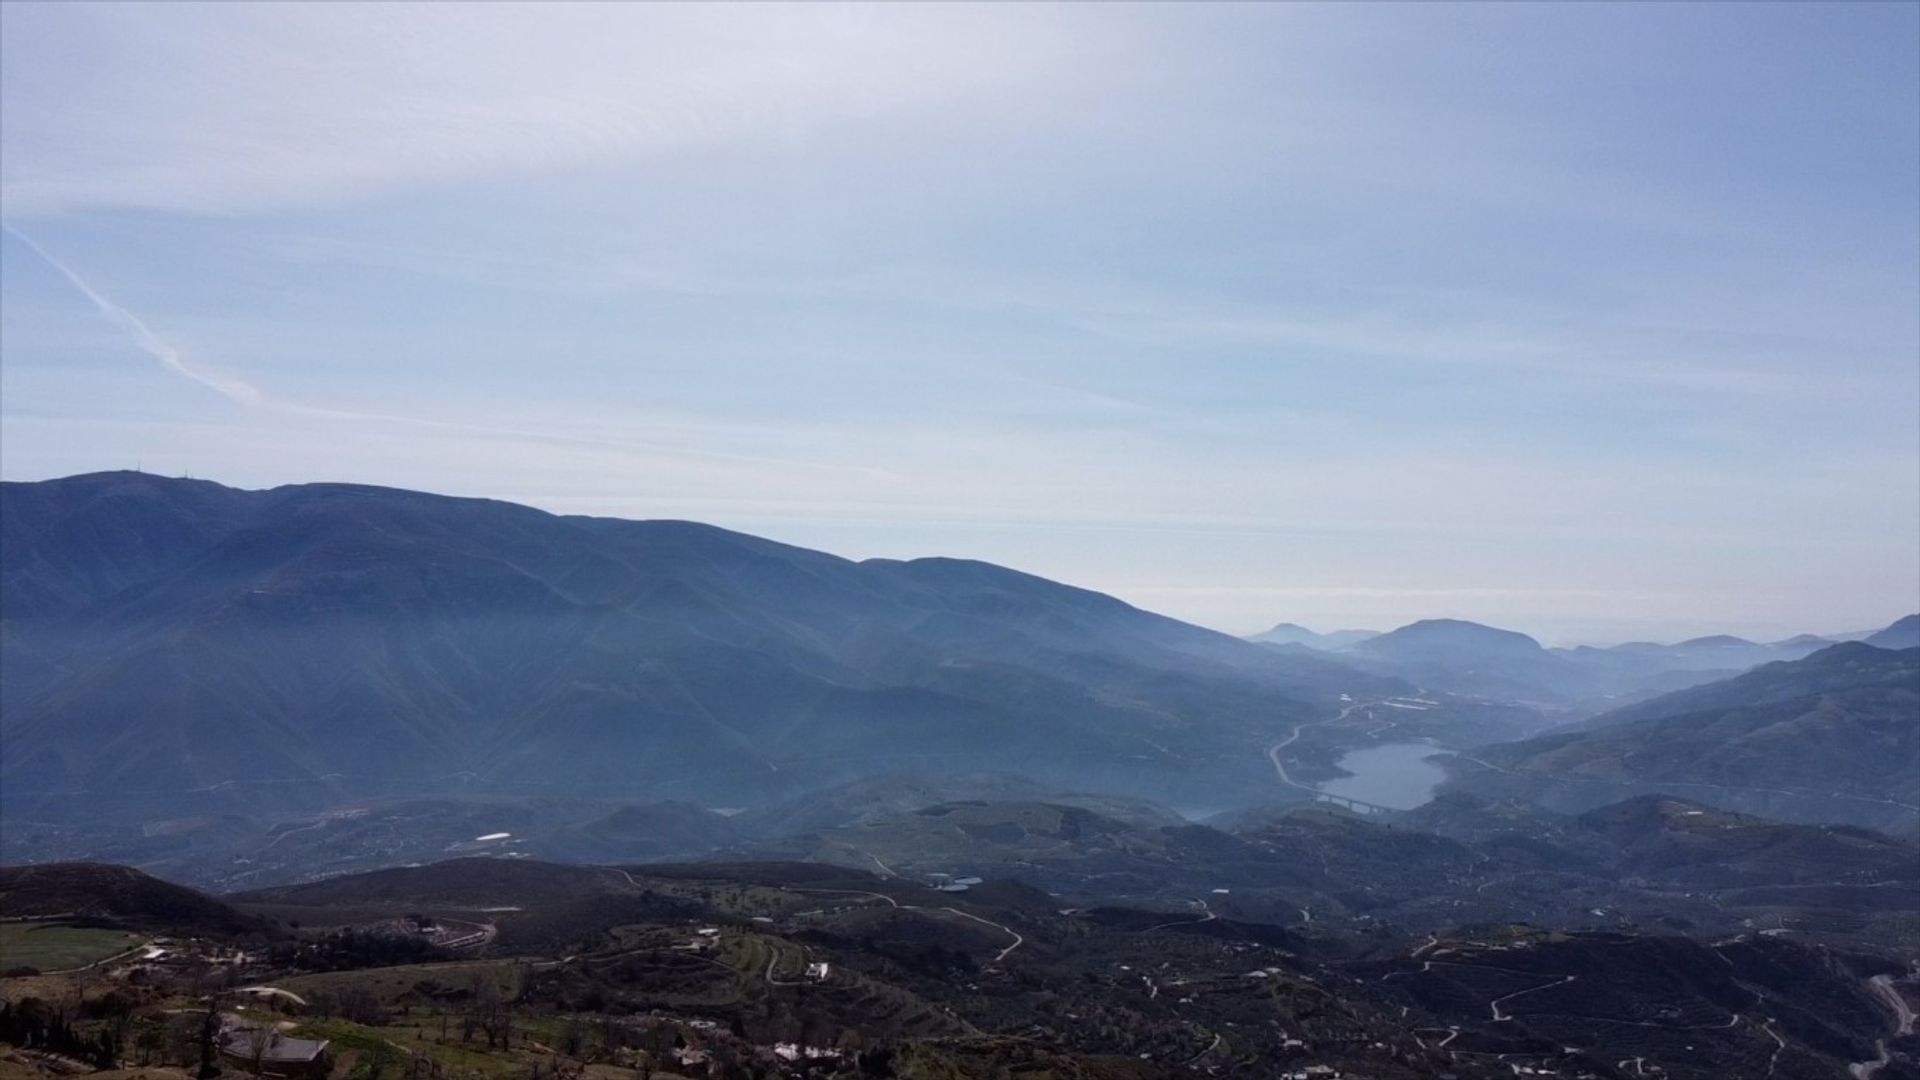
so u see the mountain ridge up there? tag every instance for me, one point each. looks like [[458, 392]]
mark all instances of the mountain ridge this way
[[316, 643]]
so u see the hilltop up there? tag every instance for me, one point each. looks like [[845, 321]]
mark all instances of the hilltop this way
[[118, 894]]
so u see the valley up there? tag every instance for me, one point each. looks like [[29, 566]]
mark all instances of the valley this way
[[646, 799], [959, 541], [698, 969]]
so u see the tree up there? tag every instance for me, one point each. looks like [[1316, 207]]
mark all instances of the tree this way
[[260, 1040], [151, 1041], [489, 1011], [209, 1031]]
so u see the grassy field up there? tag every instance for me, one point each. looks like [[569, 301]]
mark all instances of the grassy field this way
[[388, 984], [52, 946]]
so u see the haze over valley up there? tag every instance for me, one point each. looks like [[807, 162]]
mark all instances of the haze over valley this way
[[959, 542]]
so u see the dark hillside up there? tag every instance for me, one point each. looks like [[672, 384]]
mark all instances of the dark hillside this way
[[118, 893]]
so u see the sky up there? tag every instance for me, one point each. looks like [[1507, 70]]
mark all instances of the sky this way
[[1600, 322]]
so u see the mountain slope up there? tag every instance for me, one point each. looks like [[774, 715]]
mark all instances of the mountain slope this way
[[174, 643], [1833, 737], [1902, 634]]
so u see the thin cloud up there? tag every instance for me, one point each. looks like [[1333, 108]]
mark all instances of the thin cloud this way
[[244, 393], [236, 390]]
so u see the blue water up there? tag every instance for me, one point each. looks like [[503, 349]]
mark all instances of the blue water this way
[[1395, 775]]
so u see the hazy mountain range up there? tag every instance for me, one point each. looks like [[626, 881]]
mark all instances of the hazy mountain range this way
[[972, 794], [173, 644], [175, 647], [1483, 661]]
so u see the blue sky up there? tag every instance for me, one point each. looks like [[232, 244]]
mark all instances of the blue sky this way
[[1595, 321]]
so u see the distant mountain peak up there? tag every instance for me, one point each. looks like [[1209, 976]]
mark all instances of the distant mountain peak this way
[[1288, 633], [1903, 633], [1716, 641], [1453, 632]]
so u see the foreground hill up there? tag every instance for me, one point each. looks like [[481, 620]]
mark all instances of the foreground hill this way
[[1195, 990], [1833, 737], [120, 894], [180, 646]]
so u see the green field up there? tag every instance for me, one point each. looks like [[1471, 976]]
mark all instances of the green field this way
[[53, 946], [390, 983]]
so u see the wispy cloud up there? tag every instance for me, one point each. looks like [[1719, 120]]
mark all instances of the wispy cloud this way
[[1246, 303], [237, 390], [244, 393]]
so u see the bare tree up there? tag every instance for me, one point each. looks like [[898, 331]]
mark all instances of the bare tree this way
[[489, 1010], [260, 1040]]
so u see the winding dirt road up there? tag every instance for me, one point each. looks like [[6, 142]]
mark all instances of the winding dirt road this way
[[1018, 940], [1903, 1021]]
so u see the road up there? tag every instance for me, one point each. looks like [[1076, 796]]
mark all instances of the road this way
[[1779, 1046], [273, 991], [1211, 1047], [1018, 940], [1206, 917], [1002, 954], [1903, 1014], [1273, 752], [1280, 768], [1903, 1021], [1495, 1003], [773, 961]]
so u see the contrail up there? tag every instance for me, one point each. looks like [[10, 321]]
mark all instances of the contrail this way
[[244, 393], [143, 336]]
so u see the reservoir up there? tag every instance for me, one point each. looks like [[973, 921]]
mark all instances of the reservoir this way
[[1395, 775]]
